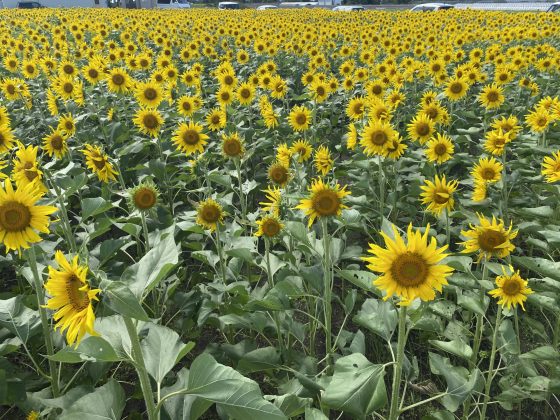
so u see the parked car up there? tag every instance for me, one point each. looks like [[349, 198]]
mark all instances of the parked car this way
[[29, 5], [228, 5], [267, 7], [173, 4], [431, 7], [348, 9], [554, 7], [299, 4]]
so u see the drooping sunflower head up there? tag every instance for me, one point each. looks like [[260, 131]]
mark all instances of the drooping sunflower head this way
[[72, 298], [99, 163], [144, 197], [209, 214], [438, 195], [489, 238], [488, 170], [148, 121], [323, 160], [409, 270], [479, 191], [511, 290], [551, 168], [232, 146], [439, 149], [351, 136], [279, 174], [274, 195], [7, 139], [324, 201], [269, 226]]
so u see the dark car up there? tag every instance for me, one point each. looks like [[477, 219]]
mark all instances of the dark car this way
[[29, 5]]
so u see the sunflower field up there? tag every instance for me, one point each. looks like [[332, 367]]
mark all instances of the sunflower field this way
[[284, 214]]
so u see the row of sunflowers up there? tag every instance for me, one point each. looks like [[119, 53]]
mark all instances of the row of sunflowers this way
[[280, 214]]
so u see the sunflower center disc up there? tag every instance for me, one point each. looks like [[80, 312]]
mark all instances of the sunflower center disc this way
[[93, 73], [326, 203], [456, 88], [488, 174], [118, 79], [409, 270], [14, 216], [423, 129], [150, 121], [271, 228], [210, 214], [78, 298], [150, 94], [301, 119], [145, 199], [379, 138], [492, 96], [490, 239], [440, 149], [232, 148], [68, 87], [511, 287], [11, 89], [190, 137], [56, 143]]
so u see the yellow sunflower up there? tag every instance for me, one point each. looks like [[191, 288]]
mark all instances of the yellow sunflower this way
[[284, 155], [300, 118], [551, 168], [274, 195], [245, 93], [99, 163], [456, 88], [188, 105], [67, 125], [216, 119], [26, 170], [538, 120], [351, 136], [323, 160], [189, 138], [421, 128], [7, 139], [209, 214], [490, 238], [269, 226], [439, 149], [480, 190], [72, 298], [148, 121], [118, 81], [20, 217], [511, 289], [492, 96], [377, 135], [302, 149], [509, 125], [409, 270], [278, 173], [395, 148], [496, 141], [438, 195], [148, 94], [232, 146], [324, 201], [144, 197], [488, 170], [55, 144], [356, 108]]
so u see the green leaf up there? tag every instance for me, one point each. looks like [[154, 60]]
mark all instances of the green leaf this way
[[378, 316], [90, 349], [12, 390], [146, 274], [459, 262], [186, 407], [298, 230], [357, 386], [240, 397], [162, 350], [19, 319], [241, 253], [456, 347], [10, 345], [106, 402], [362, 279], [314, 414], [290, 404], [121, 300], [543, 353], [94, 206], [439, 415], [260, 359], [542, 266]]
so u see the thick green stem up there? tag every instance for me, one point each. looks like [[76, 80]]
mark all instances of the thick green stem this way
[[397, 368], [271, 284], [220, 253], [140, 366], [381, 190], [479, 321], [504, 189], [66, 227], [242, 200], [327, 292], [38, 283], [447, 227], [490, 376], [146, 232]]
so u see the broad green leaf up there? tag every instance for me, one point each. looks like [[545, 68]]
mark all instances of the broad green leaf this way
[[290, 404], [260, 359], [357, 386], [90, 349], [298, 230], [314, 414], [379, 317], [113, 330], [10, 345], [162, 349], [153, 267], [184, 407], [456, 347], [121, 300], [19, 319], [439, 415], [105, 403], [240, 397], [541, 266], [459, 262], [362, 279], [12, 390], [541, 354], [94, 206]]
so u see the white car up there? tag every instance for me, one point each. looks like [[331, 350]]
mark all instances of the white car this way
[[173, 4], [431, 7], [223, 5], [267, 7], [348, 9], [554, 7]]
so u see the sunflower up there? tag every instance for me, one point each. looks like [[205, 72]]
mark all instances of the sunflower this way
[[216, 119], [551, 168], [149, 121], [55, 144], [433, 111], [209, 214], [232, 146], [99, 163], [319, 91], [20, 217], [351, 136], [324, 201], [224, 96], [278, 174], [439, 149], [511, 289], [72, 298], [496, 141], [421, 128], [480, 190], [245, 93], [323, 160], [51, 102], [4, 117], [67, 125], [538, 120], [300, 118], [7, 139], [284, 155], [26, 170], [188, 105], [189, 138], [492, 96], [148, 95], [488, 170], [409, 270], [144, 197], [456, 88], [302, 149], [377, 135], [438, 195], [11, 88], [278, 87], [3, 165], [29, 69], [118, 81], [490, 238], [93, 72], [508, 125], [269, 226], [395, 148], [275, 196]]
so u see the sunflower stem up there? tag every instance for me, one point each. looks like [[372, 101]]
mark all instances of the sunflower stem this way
[[447, 227], [381, 190], [327, 292], [556, 336], [491, 365], [220, 253], [504, 189], [146, 232], [140, 366], [270, 275], [241, 195], [479, 320], [397, 368], [38, 283], [66, 227]]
